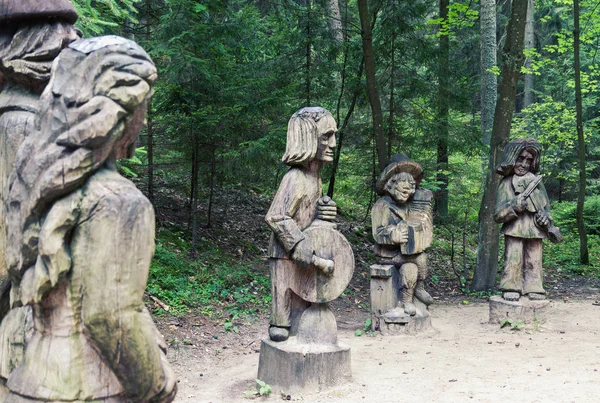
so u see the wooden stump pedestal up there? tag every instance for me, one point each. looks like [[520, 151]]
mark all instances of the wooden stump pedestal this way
[[388, 318], [524, 310]]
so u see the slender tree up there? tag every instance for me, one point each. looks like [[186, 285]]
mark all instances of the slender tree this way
[[528, 94], [335, 21], [489, 85], [512, 57], [376, 112], [584, 257], [441, 196]]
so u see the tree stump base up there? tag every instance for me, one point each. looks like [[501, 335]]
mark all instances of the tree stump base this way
[[524, 310], [292, 366], [387, 315]]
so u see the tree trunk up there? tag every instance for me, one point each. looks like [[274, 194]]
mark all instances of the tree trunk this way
[[391, 132], [335, 21], [149, 128], [584, 257], [528, 94], [489, 85], [376, 113], [512, 56], [308, 57], [213, 171], [341, 132], [441, 195], [194, 192]]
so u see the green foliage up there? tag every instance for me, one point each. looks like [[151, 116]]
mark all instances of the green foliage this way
[[514, 324], [367, 328], [129, 167], [214, 279], [565, 215], [263, 389], [104, 16], [564, 257]]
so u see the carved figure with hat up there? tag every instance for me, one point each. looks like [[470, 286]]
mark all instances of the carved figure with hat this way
[[403, 229]]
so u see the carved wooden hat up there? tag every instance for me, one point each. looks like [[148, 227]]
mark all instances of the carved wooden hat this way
[[19, 10], [399, 163]]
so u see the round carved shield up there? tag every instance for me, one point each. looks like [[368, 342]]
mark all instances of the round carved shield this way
[[312, 284]]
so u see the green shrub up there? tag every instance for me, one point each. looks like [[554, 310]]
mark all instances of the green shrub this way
[[565, 215], [214, 278]]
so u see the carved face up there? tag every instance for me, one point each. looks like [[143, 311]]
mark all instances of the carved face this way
[[401, 187], [326, 142], [523, 163]]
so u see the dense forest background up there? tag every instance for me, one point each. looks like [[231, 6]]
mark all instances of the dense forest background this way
[[417, 77]]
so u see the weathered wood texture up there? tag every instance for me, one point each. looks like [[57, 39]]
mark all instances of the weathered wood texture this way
[[26, 55], [16, 10], [311, 264], [309, 257], [523, 208], [293, 367], [29, 42], [81, 237], [403, 230], [524, 310]]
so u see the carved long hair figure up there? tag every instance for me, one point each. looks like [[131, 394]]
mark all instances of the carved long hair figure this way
[[302, 135], [92, 109], [512, 152]]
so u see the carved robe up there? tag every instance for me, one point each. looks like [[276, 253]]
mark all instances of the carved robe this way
[[293, 209], [92, 329]]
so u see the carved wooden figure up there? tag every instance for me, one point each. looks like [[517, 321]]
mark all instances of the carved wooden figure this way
[[523, 208], [311, 264], [31, 36], [403, 230], [81, 237]]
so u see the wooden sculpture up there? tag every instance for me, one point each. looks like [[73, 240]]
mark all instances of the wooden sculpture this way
[[81, 237]]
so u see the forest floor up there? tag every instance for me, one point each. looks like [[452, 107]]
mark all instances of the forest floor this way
[[464, 358]]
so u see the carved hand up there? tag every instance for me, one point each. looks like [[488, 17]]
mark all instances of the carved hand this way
[[326, 209], [542, 219], [325, 265], [400, 234], [520, 204]]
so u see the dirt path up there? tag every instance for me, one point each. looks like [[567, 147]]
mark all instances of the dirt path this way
[[464, 359]]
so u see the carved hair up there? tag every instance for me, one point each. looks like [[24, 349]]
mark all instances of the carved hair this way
[[302, 135], [27, 51], [89, 107], [512, 152]]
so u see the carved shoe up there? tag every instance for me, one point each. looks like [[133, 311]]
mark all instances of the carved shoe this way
[[410, 308], [511, 296], [534, 296], [279, 333], [423, 296]]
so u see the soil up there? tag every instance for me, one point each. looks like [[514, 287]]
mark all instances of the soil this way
[[463, 359]]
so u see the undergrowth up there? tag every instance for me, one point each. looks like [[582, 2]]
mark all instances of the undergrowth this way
[[212, 283]]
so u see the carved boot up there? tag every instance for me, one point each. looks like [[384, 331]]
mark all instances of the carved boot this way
[[423, 295], [277, 333], [407, 300]]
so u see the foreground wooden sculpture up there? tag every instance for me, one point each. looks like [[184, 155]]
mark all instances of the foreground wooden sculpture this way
[[523, 208], [311, 264], [81, 237], [32, 34], [403, 230]]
